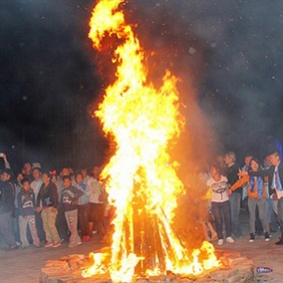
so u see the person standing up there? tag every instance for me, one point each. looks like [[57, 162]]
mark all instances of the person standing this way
[[256, 198], [47, 203], [220, 205], [35, 186], [275, 183], [83, 207], [7, 198], [96, 215], [235, 198], [61, 222], [26, 205], [69, 200]]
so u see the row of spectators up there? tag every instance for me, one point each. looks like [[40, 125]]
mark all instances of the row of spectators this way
[[45, 207]]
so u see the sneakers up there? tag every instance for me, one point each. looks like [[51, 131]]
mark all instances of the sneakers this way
[[230, 240], [220, 242], [11, 248], [86, 238], [56, 244], [48, 244], [72, 245], [266, 237], [280, 242], [252, 238]]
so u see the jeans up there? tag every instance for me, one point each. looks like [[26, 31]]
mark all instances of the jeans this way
[[61, 224], [261, 203], [221, 210], [235, 203], [6, 229], [83, 214], [39, 226], [280, 214]]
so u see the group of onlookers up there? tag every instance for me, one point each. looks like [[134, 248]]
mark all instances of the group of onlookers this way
[[43, 207], [261, 187], [73, 205]]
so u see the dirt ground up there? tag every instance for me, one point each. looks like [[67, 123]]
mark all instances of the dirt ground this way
[[23, 266]]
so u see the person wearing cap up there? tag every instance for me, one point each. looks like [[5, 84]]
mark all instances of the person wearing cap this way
[[7, 198]]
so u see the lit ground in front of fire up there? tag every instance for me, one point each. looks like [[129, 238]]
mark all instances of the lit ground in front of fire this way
[[23, 266]]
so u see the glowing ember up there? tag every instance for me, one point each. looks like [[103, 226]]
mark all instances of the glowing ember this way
[[141, 183]]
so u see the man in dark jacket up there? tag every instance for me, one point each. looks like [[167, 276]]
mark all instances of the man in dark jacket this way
[[7, 198], [235, 198], [275, 185]]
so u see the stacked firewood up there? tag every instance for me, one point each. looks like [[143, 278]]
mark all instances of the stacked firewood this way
[[235, 269]]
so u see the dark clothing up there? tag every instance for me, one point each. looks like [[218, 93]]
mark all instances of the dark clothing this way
[[26, 203], [70, 198], [235, 199], [221, 210], [7, 197], [83, 215], [29, 177], [232, 176], [96, 215], [48, 196], [269, 173], [5, 228]]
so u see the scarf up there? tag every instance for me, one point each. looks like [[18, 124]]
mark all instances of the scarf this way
[[276, 183], [259, 185]]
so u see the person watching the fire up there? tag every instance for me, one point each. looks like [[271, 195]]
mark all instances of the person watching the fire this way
[[275, 185], [96, 215], [83, 207], [26, 204], [47, 203], [235, 198], [69, 200], [220, 205], [256, 198]]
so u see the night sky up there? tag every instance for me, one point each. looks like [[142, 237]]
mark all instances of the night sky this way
[[228, 55]]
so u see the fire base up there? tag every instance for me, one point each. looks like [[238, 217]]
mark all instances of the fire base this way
[[235, 269]]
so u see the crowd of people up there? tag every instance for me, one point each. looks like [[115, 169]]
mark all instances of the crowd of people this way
[[259, 187], [45, 207]]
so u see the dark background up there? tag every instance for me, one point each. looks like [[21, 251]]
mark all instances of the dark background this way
[[227, 53]]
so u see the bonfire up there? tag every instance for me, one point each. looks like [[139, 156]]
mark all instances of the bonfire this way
[[141, 178]]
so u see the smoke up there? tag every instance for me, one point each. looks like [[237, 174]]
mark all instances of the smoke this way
[[231, 52], [227, 53], [228, 56]]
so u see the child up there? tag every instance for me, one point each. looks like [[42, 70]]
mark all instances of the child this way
[[26, 205], [69, 199]]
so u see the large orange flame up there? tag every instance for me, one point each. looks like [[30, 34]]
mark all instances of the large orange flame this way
[[141, 182]]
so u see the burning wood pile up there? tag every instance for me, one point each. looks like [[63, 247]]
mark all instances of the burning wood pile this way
[[68, 269]]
